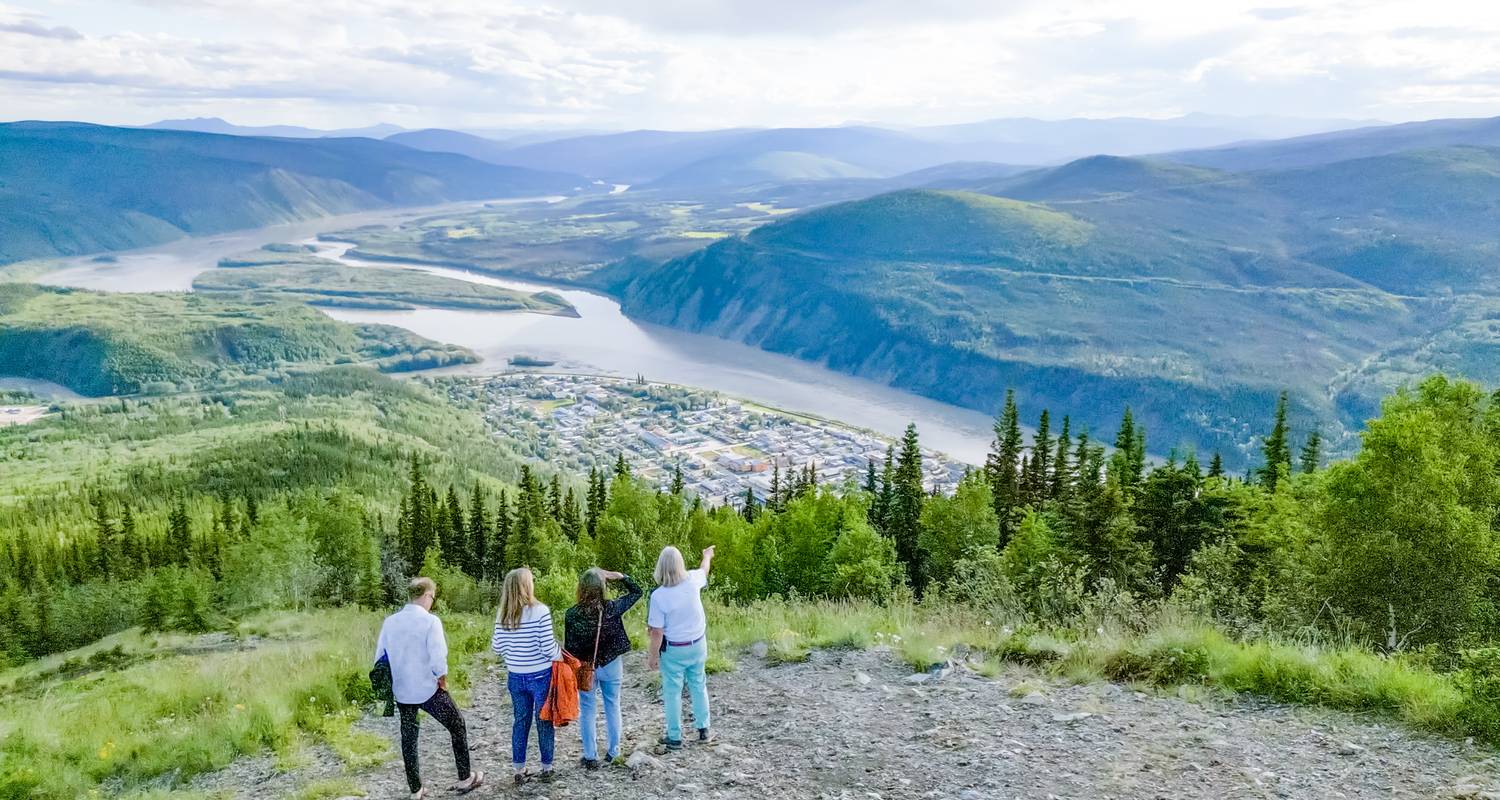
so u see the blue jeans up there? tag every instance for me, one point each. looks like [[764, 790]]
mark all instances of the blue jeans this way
[[606, 686], [679, 665], [527, 694]]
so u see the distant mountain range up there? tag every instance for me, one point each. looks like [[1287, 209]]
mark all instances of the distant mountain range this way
[[70, 188], [1195, 294], [693, 160], [217, 125]]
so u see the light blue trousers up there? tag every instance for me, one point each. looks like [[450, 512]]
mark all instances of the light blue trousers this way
[[606, 688], [681, 665]]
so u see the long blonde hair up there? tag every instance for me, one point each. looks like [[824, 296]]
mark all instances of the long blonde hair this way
[[517, 592]]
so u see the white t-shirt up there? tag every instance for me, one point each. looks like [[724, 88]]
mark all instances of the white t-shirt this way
[[678, 610]]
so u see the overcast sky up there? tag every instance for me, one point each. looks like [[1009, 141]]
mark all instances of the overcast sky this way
[[715, 63]]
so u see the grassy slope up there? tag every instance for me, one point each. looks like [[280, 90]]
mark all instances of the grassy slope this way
[[70, 188], [1195, 294], [100, 344], [94, 715]]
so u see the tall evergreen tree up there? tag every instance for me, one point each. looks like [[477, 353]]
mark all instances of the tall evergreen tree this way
[[774, 501], [555, 498], [1276, 450], [1128, 463], [598, 496], [1216, 466], [1041, 460], [131, 553], [1062, 471], [476, 556], [906, 508], [107, 536], [498, 564], [1312, 452], [886, 498], [1002, 467], [572, 518], [622, 467], [179, 534], [456, 536], [677, 484], [747, 510]]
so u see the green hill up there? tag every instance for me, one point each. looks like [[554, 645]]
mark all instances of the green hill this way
[[70, 188], [104, 344], [1193, 295]]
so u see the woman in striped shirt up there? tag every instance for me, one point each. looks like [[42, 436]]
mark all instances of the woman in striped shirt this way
[[524, 638]]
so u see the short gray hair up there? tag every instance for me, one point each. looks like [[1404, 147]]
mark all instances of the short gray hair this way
[[670, 568], [421, 587]]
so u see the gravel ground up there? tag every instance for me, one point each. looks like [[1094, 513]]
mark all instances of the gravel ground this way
[[859, 725]]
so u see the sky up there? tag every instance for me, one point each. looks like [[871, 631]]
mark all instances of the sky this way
[[695, 64]]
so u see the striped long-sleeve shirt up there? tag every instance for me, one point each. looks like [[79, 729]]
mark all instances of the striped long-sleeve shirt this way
[[531, 646]]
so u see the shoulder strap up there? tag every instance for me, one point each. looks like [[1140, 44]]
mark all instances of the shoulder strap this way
[[598, 632]]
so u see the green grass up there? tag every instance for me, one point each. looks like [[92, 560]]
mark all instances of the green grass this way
[[300, 676], [1170, 651]]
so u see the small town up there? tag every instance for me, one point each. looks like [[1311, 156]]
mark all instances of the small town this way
[[721, 445]]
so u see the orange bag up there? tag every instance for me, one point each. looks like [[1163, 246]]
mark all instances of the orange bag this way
[[561, 706]]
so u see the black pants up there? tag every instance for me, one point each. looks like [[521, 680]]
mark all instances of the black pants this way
[[442, 709]]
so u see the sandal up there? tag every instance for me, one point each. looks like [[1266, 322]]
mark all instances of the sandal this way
[[474, 782]]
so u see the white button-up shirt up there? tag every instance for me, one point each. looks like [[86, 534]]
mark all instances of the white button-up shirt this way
[[413, 640]]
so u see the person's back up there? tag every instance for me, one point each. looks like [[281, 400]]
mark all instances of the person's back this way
[[525, 639], [412, 642], [679, 642]]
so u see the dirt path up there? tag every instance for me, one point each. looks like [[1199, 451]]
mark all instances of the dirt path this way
[[858, 725], [848, 724]]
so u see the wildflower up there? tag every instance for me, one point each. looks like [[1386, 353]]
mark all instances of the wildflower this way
[[239, 706]]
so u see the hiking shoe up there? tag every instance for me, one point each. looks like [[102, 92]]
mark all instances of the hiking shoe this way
[[589, 763], [705, 736], [547, 776], [670, 744], [520, 778]]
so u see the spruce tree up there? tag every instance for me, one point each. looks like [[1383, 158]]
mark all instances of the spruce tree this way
[[572, 519], [132, 556], [1041, 461], [107, 536], [622, 467], [872, 482], [179, 535], [1003, 464], [906, 509], [748, 509], [498, 565], [1128, 463], [677, 484], [1062, 471], [1216, 466], [1312, 452], [477, 554], [774, 500], [455, 543], [555, 499], [1276, 450]]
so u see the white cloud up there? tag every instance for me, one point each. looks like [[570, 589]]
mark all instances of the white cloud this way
[[707, 63]]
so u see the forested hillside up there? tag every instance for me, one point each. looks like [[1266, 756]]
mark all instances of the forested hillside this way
[[1193, 294], [105, 344], [70, 188]]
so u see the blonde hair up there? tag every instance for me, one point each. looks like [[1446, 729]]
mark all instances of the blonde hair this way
[[670, 568], [420, 587], [517, 591]]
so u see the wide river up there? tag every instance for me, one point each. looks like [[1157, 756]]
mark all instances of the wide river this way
[[601, 340]]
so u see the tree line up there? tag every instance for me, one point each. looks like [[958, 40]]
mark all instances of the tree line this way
[[1395, 547]]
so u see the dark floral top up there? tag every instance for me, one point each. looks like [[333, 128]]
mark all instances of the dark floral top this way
[[580, 626]]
